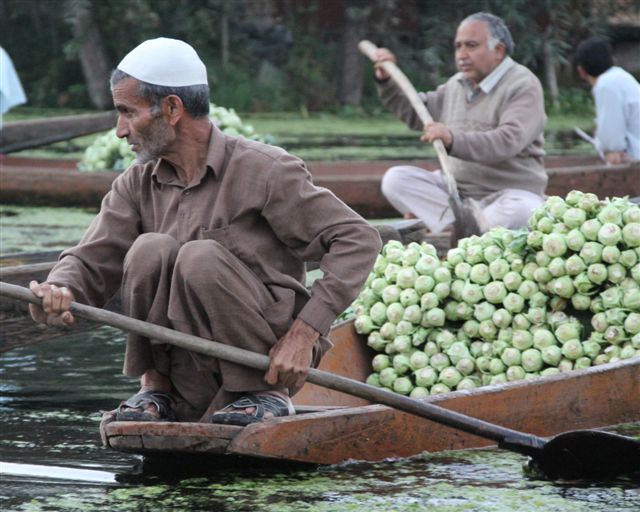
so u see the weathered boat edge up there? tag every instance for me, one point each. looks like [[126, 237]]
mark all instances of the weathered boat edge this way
[[357, 183], [590, 398]]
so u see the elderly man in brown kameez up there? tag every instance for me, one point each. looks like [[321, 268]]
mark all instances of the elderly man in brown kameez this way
[[208, 234]]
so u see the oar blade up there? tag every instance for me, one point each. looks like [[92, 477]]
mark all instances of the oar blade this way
[[465, 216], [588, 455]]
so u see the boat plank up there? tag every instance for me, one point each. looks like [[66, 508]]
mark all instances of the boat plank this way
[[19, 260], [150, 437], [23, 274], [182, 429], [350, 357], [589, 398], [129, 444], [161, 444], [32, 133]]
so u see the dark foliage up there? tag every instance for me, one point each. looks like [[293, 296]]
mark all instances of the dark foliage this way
[[266, 55]]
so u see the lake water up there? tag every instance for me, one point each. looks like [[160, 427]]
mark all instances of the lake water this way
[[52, 458]]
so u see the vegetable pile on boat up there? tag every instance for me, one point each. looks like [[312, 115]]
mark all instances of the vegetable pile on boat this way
[[109, 153], [507, 305]]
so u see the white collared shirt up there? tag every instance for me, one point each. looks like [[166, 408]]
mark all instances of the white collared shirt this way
[[617, 97], [488, 82]]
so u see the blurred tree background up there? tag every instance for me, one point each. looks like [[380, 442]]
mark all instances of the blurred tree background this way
[[296, 55]]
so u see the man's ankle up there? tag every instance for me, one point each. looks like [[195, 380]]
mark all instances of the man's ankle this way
[[153, 380]]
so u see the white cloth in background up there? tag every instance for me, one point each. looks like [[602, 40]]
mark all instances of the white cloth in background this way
[[424, 194], [11, 91], [617, 98]]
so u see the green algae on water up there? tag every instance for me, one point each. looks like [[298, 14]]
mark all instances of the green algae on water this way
[[480, 480], [26, 229]]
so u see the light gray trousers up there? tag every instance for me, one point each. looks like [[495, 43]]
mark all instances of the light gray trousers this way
[[424, 194], [199, 288]]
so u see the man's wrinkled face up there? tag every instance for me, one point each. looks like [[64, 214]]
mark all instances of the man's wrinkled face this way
[[474, 58], [140, 123]]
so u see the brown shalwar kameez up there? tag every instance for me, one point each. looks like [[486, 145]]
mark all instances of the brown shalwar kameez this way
[[222, 258]]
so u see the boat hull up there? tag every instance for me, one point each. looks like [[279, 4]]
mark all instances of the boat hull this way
[[322, 434], [357, 183]]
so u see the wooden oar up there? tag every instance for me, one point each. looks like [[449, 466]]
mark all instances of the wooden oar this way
[[57, 472], [465, 221], [576, 454]]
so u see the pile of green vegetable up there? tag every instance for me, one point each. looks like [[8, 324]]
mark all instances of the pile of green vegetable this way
[[108, 152], [507, 305]]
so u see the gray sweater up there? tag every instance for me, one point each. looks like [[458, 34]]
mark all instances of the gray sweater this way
[[497, 137]]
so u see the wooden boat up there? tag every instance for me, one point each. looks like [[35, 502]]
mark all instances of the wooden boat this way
[[19, 135], [332, 427], [357, 183]]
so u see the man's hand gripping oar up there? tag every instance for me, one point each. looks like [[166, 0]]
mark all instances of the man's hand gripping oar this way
[[56, 304]]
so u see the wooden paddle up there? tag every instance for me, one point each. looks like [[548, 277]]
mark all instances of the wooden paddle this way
[[465, 221], [577, 454]]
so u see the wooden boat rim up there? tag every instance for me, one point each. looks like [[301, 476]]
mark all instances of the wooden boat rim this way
[[574, 164], [129, 428]]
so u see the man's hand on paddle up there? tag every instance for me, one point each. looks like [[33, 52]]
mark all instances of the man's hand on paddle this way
[[291, 357], [382, 54], [56, 304], [433, 131]]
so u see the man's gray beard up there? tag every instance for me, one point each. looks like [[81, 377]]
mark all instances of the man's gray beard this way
[[159, 137]]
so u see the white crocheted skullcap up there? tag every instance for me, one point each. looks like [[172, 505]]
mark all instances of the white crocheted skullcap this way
[[164, 61]]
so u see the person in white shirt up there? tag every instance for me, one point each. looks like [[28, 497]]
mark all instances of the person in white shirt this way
[[617, 98], [11, 91]]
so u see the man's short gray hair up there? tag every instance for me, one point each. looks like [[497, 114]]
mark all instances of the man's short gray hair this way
[[498, 31], [195, 98]]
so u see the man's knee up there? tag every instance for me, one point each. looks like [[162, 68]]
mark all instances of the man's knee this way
[[149, 251], [394, 181], [202, 259]]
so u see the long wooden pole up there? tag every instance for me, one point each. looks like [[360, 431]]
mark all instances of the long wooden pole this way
[[321, 378]]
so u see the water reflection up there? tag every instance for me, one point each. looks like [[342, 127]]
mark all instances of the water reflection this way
[[52, 395]]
